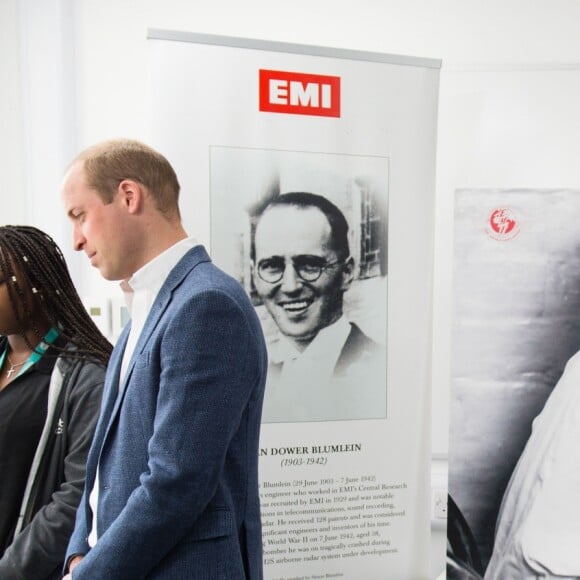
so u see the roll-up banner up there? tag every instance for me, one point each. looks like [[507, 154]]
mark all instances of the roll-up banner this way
[[514, 471], [309, 173]]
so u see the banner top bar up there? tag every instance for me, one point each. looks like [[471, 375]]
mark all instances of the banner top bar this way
[[275, 46]]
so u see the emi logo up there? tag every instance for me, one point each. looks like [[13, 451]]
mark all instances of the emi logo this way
[[299, 93]]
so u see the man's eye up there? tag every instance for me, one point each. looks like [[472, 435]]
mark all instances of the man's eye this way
[[309, 268], [271, 265], [309, 262]]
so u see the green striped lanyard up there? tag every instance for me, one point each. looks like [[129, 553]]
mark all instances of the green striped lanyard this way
[[37, 353]]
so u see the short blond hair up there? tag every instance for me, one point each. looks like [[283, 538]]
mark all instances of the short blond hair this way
[[108, 163]]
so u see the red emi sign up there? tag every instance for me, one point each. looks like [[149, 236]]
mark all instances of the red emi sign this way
[[299, 93]]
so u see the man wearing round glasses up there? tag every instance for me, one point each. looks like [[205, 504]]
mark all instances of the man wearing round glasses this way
[[322, 367]]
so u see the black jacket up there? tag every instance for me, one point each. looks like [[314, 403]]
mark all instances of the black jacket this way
[[57, 474]]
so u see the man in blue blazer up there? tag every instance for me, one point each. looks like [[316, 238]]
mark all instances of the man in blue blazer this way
[[172, 476]]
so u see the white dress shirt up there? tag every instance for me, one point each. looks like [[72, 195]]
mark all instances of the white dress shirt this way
[[317, 360], [538, 529]]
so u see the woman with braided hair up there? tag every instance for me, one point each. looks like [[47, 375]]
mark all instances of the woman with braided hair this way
[[52, 367]]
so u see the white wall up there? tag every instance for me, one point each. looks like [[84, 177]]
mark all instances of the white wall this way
[[73, 72], [11, 138]]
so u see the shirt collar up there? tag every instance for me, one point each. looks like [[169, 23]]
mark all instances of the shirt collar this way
[[152, 275], [327, 343]]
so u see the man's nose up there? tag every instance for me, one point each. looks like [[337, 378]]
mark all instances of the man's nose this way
[[79, 239], [290, 282]]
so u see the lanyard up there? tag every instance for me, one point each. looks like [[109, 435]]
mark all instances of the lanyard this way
[[37, 353]]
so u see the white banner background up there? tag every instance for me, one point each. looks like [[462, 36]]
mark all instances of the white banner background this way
[[204, 94]]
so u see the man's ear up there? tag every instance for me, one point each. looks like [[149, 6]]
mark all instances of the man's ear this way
[[132, 195], [347, 273]]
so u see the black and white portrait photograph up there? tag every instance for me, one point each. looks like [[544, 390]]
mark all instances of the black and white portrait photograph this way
[[514, 467], [306, 234]]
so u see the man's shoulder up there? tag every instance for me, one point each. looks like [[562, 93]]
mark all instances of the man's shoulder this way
[[198, 269], [196, 276], [359, 348], [190, 261], [360, 341]]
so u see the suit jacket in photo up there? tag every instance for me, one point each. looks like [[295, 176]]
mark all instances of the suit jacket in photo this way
[[177, 440]]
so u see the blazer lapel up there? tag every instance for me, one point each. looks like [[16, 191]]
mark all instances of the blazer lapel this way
[[152, 320], [108, 404], [190, 260]]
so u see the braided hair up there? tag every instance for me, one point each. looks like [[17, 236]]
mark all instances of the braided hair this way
[[49, 290]]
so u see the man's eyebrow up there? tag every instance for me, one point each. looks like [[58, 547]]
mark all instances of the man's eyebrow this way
[[298, 258], [315, 257]]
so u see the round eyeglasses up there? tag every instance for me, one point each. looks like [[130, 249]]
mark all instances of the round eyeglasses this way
[[307, 267]]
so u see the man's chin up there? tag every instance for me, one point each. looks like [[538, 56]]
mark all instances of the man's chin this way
[[110, 276], [297, 334]]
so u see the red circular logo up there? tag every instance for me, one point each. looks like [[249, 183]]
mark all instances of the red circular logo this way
[[502, 221], [502, 224]]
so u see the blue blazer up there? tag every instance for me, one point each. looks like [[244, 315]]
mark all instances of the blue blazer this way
[[177, 440]]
